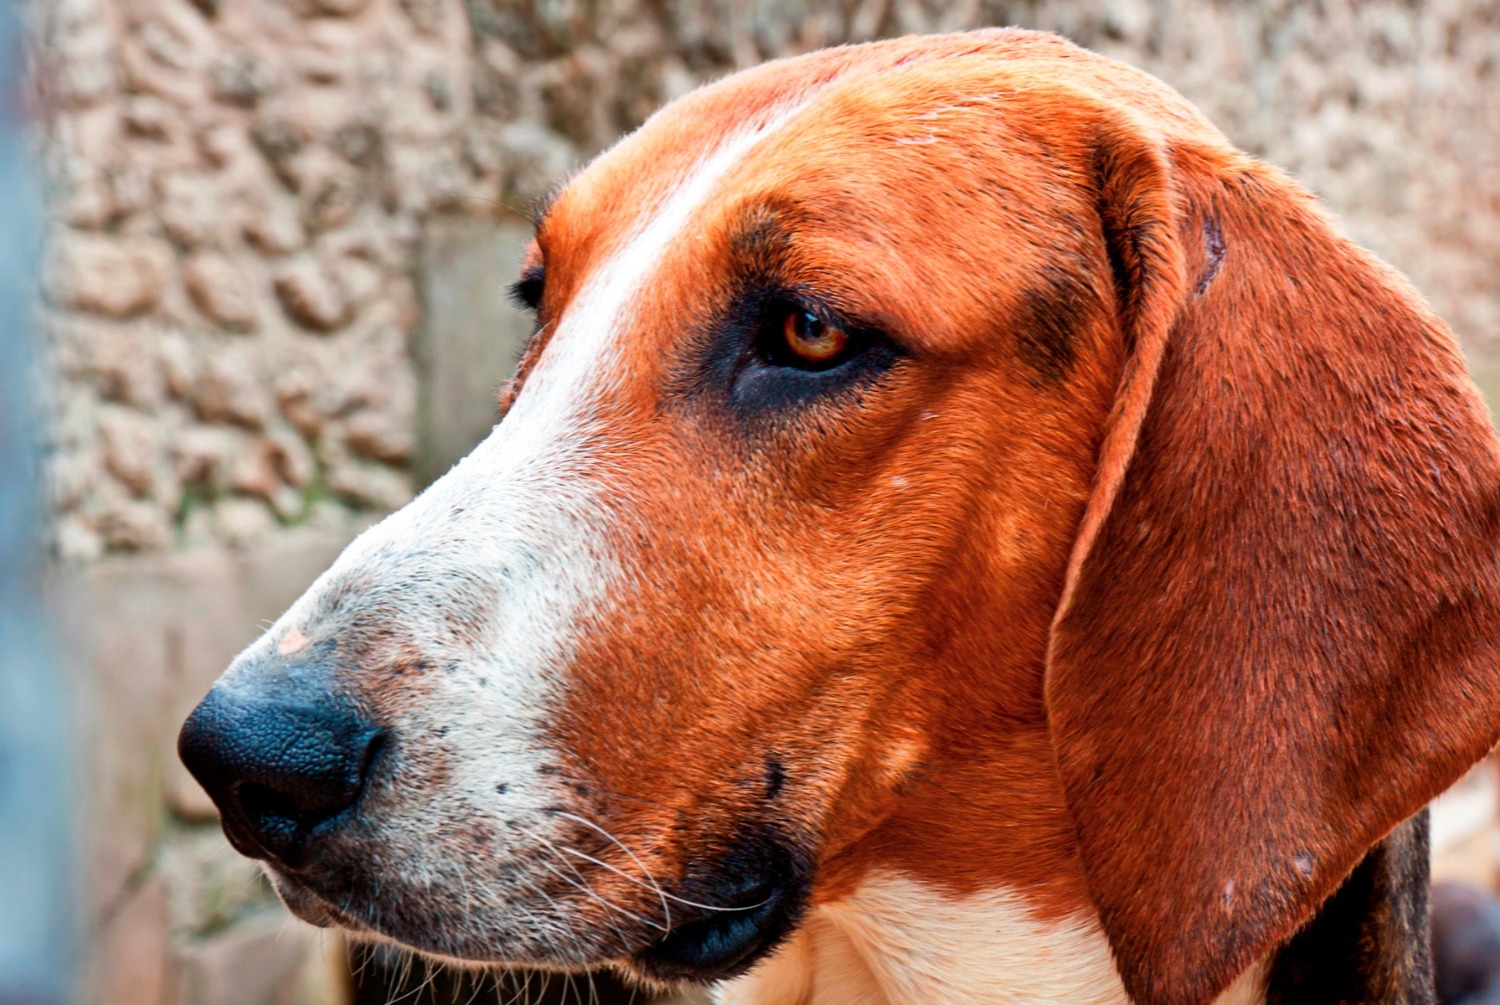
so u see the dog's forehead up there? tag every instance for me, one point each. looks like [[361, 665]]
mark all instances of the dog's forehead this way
[[597, 209], [876, 192], [785, 152], [902, 166], [621, 186], [869, 98]]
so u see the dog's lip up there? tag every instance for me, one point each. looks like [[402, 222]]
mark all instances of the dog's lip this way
[[709, 943], [705, 943], [311, 908], [732, 910]]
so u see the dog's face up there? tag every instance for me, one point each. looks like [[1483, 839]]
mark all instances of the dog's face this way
[[775, 525], [777, 435]]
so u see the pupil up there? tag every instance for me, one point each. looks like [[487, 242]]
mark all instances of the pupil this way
[[811, 327]]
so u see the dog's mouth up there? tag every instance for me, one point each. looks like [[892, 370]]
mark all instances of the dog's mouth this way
[[717, 942], [311, 908], [730, 913], [740, 912]]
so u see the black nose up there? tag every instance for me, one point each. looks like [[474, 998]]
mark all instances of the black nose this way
[[280, 773]]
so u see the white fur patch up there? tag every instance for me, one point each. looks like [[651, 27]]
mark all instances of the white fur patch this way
[[479, 588], [1248, 989], [896, 942]]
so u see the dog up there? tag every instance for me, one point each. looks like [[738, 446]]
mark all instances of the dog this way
[[961, 532]]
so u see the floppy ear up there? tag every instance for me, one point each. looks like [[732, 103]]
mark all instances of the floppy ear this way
[[1277, 638]]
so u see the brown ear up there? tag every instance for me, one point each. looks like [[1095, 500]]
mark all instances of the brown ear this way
[[1278, 634]]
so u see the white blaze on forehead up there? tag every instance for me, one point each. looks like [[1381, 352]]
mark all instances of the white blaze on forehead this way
[[578, 353], [523, 484], [483, 582]]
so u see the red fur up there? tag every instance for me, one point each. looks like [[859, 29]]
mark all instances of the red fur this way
[[1278, 635], [1173, 628]]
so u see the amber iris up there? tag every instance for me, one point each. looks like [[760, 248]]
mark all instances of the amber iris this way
[[811, 340]]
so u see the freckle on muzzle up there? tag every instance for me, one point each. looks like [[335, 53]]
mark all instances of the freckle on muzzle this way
[[285, 774]]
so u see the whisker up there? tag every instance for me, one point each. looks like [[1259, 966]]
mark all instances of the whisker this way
[[479, 978], [585, 888], [584, 884], [665, 909], [656, 889], [522, 993], [653, 885]]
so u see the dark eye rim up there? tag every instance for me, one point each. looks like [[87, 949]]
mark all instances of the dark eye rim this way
[[770, 349], [526, 292], [741, 354]]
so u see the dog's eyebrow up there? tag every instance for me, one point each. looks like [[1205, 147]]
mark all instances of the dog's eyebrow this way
[[763, 233], [542, 205]]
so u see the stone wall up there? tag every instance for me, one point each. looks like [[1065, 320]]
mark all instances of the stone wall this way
[[176, 917], [273, 307], [240, 188]]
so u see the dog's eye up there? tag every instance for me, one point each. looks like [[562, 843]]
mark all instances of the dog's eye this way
[[797, 338], [812, 343], [526, 293], [798, 351]]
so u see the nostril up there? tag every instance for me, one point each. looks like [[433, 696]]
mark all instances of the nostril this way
[[261, 802], [373, 748], [274, 815], [286, 812]]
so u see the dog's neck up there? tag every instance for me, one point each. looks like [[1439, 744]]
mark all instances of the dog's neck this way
[[897, 941], [1371, 941]]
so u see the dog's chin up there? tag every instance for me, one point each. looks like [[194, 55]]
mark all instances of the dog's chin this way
[[311, 908], [726, 917]]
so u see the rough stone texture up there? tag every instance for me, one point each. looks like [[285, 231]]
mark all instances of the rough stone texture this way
[[263, 960], [129, 958], [112, 278], [470, 339], [229, 232], [222, 291], [273, 299], [263, 171]]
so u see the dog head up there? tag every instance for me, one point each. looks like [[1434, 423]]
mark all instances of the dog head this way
[[941, 423]]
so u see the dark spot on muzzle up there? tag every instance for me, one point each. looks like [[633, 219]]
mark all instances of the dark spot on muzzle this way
[[775, 777]]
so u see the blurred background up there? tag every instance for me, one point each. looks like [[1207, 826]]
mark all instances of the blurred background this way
[[252, 297]]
